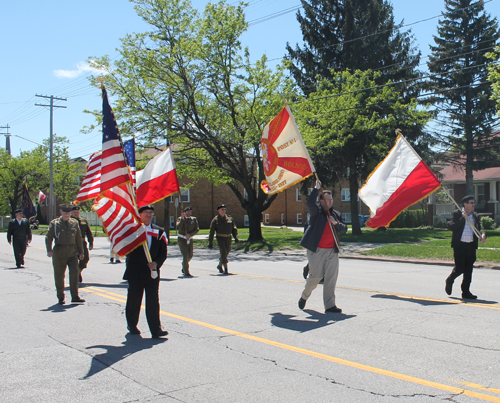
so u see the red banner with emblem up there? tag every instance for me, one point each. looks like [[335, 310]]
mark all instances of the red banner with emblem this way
[[284, 154]]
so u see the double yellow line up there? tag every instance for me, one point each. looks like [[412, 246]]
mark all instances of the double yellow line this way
[[375, 370]]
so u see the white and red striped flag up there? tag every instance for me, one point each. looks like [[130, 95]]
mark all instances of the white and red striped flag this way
[[41, 197], [158, 180], [91, 185], [399, 181]]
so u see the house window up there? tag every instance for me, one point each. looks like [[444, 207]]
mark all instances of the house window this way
[[346, 217], [346, 195], [185, 194], [299, 218], [172, 221], [246, 222], [266, 219], [479, 193], [282, 219], [298, 195]]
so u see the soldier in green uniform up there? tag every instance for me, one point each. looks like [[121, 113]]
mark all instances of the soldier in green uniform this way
[[86, 233], [68, 248], [223, 225], [187, 228]]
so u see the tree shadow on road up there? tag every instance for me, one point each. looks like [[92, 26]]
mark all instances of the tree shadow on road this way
[[315, 320], [114, 354]]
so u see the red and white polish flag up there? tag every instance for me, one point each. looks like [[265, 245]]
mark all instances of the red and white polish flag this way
[[399, 181]]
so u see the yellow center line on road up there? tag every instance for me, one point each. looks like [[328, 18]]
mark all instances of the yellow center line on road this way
[[402, 296], [310, 353]]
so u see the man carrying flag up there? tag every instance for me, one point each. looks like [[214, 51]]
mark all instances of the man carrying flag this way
[[321, 241]]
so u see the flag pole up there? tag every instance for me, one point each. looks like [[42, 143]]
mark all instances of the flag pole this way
[[476, 231], [145, 244], [334, 232]]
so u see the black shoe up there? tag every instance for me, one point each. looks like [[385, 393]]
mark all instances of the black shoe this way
[[133, 330], [333, 309], [111, 260], [78, 300], [302, 303], [159, 334], [225, 270], [220, 269], [61, 301], [187, 274], [448, 287], [118, 261], [468, 296]]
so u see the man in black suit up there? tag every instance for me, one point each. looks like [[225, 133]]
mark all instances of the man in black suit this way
[[464, 242], [19, 236], [143, 276]]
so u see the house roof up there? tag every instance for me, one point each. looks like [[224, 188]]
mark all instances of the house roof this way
[[456, 174]]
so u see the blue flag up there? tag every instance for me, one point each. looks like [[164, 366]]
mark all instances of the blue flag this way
[[129, 148], [29, 209]]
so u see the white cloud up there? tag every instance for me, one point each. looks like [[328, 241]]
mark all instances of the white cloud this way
[[81, 68]]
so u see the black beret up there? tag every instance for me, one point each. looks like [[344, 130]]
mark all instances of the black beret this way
[[187, 208], [75, 208], [18, 211], [147, 207], [467, 199], [221, 206]]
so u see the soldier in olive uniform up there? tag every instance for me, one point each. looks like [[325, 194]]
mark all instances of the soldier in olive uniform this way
[[187, 228], [68, 248], [223, 225], [86, 232]]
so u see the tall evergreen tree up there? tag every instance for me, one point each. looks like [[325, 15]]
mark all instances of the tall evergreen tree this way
[[350, 35], [460, 86]]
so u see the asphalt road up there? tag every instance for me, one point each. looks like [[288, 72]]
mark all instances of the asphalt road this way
[[242, 338]]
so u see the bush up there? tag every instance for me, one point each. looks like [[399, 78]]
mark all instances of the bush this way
[[488, 223], [440, 223], [410, 219]]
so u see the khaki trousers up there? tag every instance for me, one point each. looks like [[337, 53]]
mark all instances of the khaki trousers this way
[[324, 263]]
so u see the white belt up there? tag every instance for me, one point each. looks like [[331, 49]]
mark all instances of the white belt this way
[[184, 237]]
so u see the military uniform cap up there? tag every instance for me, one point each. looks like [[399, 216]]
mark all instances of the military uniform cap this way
[[221, 206], [187, 208], [75, 207], [66, 207], [467, 199], [18, 211], [147, 207]]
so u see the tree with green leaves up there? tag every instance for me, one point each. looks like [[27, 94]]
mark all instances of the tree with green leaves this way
[[460, 88], [349, 124], [189, 81]]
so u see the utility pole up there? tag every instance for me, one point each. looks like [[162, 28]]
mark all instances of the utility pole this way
[[7, 138], [51, 106]]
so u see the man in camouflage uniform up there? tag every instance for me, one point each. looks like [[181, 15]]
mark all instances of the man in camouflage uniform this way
[[86, 232], [187, 228], [223, 225], [68, 248]]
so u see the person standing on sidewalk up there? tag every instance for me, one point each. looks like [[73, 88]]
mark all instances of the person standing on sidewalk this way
[[223, 225], [68, 248], [322, 248], [187, 228], [19, 236], [464, 242]]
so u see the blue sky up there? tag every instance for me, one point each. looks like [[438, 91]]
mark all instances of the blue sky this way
[[45, 45]]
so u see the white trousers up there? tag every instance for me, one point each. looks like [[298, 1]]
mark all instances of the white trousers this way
[[324, 263]]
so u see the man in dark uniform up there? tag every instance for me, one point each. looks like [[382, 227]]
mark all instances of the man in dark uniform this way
[[464, 242], [19, 236], [187, 228], [143, 276], [86, 233], [68, 248], [223, 225]]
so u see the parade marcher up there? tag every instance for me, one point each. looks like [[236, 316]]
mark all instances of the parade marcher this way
[[223, 226], [322, 249], [19, 236], [464, 242], [187, 228], [86, 233], [67, 250], [143, 276]]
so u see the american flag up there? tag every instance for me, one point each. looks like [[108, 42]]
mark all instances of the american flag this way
[[91, 185], [114, 171], [129, 148], [122, 227]]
